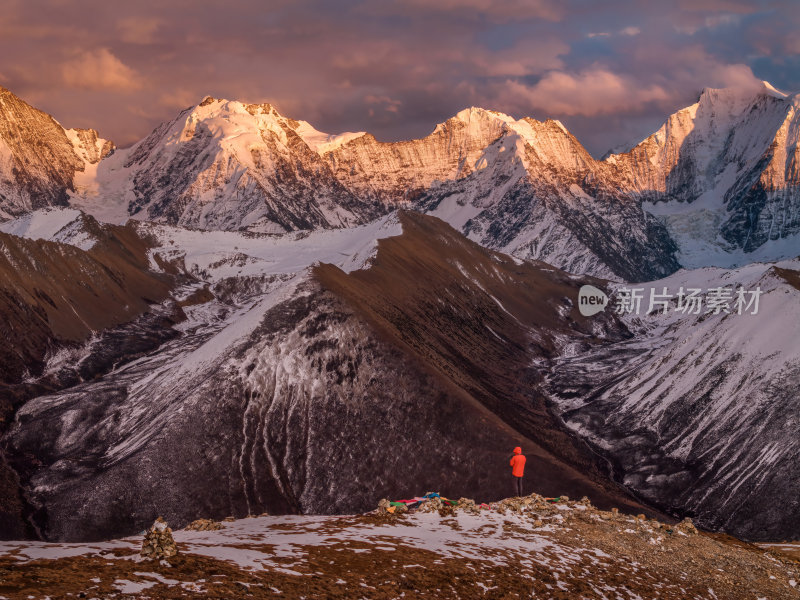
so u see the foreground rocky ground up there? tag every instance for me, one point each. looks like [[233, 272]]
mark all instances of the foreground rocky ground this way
[[518, 548]]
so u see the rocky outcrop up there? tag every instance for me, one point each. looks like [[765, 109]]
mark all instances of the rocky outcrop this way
[[39, 158], [158, 542]]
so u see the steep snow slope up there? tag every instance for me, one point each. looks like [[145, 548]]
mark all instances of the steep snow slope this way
[[291, 388], [225, 165], [723, 175], [698, 413]]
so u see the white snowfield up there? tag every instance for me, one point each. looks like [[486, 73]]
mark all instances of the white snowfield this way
[[215, 255], [53, 224]]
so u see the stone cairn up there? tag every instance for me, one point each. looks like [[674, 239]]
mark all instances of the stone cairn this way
[[203, 525], [158, 542]]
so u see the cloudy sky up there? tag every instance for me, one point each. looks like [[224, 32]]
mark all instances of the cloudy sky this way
[[611, 71]]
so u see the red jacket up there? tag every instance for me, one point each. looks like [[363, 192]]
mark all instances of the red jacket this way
[[517, 463]]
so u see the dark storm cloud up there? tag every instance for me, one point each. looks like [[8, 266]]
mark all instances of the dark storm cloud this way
[[610, 71]]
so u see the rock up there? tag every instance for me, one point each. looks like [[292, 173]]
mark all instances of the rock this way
[[431, 505], [468, 505], [686, 526], [203, 525], [158, 542], [383, 506]]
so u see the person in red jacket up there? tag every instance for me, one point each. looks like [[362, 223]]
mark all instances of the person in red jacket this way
[[518, 468]]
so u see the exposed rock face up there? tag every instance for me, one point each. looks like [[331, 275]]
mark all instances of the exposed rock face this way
[[39, 158], [89, 146], [53, 294], [698, 413], [311, 396], [399, 172]]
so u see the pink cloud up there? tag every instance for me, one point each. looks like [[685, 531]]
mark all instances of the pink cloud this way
[[388, 103], [138, 30], [99, 70], [494, 10], [591, 92]]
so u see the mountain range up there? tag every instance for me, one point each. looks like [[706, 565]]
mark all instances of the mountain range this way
[[241, 314], [716, 185]]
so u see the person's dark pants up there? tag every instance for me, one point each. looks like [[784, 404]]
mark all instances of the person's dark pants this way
[[518, 485]]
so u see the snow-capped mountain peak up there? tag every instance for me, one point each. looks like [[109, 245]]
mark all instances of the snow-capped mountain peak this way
[[224, 164], [722, 175]]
